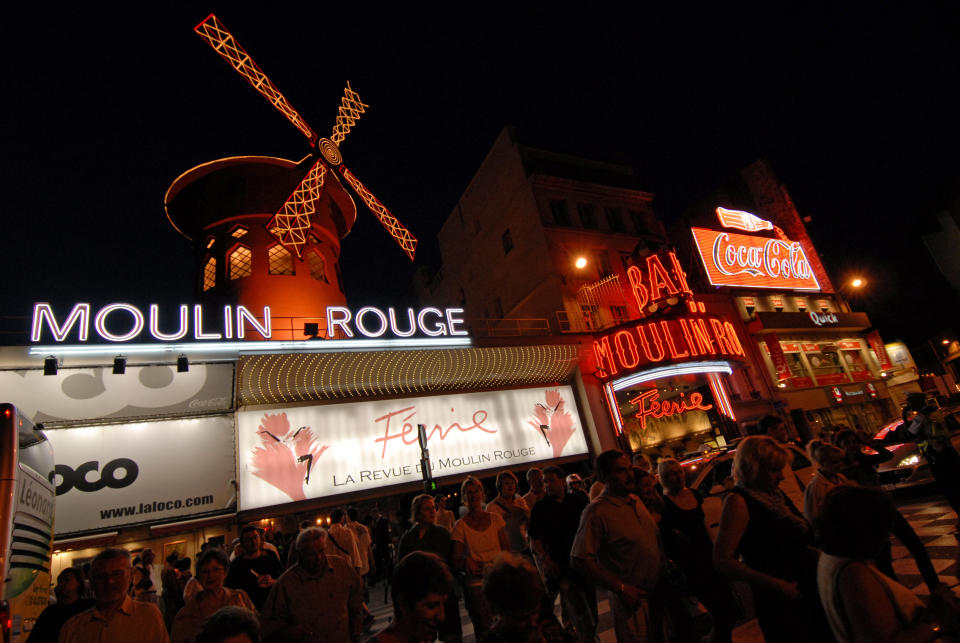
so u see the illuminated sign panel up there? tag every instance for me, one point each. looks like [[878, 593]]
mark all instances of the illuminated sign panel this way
[[316, 451], [633, 347], [125, 322], [753, 262]]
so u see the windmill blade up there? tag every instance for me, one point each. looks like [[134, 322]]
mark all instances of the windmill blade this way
[[226, 45], [396, 229], [292, 222], [351, 107]]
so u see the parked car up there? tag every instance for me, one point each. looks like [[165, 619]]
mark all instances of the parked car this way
[[712, 476], [908, 467]]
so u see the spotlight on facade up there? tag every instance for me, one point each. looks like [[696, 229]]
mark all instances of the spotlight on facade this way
[[119, 365], [50, 365], [183, 364]]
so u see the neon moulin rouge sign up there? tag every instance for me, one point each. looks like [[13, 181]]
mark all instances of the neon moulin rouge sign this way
[[687, 333], [734, 259], [122, 322], [682, 338]]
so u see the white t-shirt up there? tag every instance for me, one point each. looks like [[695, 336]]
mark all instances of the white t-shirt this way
[[482, 546]]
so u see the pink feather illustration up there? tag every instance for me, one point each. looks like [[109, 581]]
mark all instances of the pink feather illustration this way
[[284, 459], [556, 418]]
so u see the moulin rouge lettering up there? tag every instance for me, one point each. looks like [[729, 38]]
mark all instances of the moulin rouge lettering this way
[[650, 405], [402, 428]]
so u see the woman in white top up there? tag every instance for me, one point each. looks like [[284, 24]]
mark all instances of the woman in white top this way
[[861, 603], [831, 460], [477, 538]]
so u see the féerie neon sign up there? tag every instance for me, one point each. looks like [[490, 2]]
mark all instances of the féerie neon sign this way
[[232, 322], [649, 405]]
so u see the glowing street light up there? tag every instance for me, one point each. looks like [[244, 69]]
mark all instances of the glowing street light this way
[[580, 263], [857, 282]]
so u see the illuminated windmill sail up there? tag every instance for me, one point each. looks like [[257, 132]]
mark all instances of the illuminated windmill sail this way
[[292, 221]]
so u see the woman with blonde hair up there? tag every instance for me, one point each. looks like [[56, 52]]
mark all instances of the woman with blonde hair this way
[[830, 460], [766, 542], [477, 538]]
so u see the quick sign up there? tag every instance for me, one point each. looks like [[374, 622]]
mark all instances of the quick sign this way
[[110, 476], [316, 451], [122, 322], [755, 262]]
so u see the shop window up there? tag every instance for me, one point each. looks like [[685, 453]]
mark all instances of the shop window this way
[[587, 218], [279, 260], [241, 262], [318, 267], [239, 232], [825, 361], [559, 211], [507, 242], [210, 273], [613, 219]]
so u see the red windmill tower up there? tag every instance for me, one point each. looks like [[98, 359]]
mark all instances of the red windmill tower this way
[[267, 230]]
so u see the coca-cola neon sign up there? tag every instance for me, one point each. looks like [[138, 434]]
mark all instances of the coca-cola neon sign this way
[[756, 262], [649, 405]]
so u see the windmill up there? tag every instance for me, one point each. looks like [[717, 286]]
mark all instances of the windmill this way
[[291, 223]]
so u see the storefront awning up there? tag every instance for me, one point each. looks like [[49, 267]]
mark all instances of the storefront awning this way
[[810, 322], [286, 378]]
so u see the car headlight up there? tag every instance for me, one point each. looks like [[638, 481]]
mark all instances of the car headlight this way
[[909, 461]]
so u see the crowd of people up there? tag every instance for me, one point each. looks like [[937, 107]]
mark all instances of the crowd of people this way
[[817, 557]]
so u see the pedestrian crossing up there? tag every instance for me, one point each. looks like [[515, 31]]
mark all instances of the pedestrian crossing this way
[[931, 517]]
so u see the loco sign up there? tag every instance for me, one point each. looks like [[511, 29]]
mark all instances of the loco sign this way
[[677, 339], [756, 262], [70, 479]]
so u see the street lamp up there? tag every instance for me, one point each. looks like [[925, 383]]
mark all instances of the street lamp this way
[[858, 282], [580, 263]]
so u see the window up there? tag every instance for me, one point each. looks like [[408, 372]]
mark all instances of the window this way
[[210, 242], [587, 219], [210, 273], [602, 260], [279, 260], [559, 211], [318, 267], [619, 314], [241, 263], [639, 222], [507, 242], [238, 232], [613, 219]]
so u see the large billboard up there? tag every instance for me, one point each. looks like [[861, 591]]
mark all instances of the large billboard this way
[[314, 451], [77, 394], [115, 475], [742, 260]]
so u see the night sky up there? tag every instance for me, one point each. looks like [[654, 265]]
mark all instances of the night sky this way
[[857, 113]]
